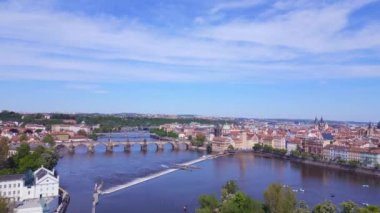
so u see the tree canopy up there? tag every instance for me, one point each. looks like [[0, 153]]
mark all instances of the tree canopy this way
[[4, 148], [325, 207], [49, 139], [279, 199], [24, 159], [3, 205]]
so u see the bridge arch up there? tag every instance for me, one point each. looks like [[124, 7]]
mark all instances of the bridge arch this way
[[81, 145], [173, 145], [185, 145]]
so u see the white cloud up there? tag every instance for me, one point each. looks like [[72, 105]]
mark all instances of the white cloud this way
[[236, 4], [315, 30], [45, 44]]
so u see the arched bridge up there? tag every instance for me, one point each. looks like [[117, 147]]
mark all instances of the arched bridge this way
[[127, 145]]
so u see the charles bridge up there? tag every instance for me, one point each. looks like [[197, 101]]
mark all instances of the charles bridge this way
[[90, 144]]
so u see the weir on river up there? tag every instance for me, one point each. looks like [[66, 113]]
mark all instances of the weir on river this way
[[155, 175]]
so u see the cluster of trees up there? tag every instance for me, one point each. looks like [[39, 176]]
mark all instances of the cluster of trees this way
[[268, 149], [277, 199], [3, 205], [163, 133], [350, 163], [110, 123], [304, 155], [199, 140], [10, 116], [25, 159]]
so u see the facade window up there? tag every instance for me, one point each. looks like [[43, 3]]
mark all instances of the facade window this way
[[28, 192], [10, 185], [1, 186], [14, 192], [5, 185], [18, 185]]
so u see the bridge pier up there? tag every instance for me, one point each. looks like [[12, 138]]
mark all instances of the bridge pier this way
[[127, 147], [72, 149], [109, 147], [175, 146], [160, 147], [91, 149], [144, 147]]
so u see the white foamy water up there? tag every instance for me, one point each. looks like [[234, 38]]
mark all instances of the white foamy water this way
[[155, 175]]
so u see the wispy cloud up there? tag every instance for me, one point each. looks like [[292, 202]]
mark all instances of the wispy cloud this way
[[238, 4], [92, 88], [301, 42]]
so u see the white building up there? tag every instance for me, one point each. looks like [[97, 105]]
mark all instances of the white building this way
[[71, 128], [291, 147], [42, 184]]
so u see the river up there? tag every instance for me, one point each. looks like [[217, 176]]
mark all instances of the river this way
[[79, 172]]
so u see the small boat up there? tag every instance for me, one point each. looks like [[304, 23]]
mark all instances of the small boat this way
[[366, 186], [332, 195], [302, 190], [295, 190], [365, 204]]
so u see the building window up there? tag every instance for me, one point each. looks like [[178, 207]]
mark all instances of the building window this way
[[18, 185], [28, 192]]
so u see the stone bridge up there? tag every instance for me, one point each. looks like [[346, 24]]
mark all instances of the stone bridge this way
[[127, 145]]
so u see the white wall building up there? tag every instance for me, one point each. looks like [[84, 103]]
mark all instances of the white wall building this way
[[70, 128], [43, 184]]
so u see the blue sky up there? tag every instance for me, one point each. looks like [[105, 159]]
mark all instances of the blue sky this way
[[253, 58]]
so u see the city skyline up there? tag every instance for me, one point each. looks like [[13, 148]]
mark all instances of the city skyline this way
[[261, 59]]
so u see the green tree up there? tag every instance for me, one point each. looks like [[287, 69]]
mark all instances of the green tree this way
[[257, 147], [199, 140], [23, 137], [370, 209], [241, 203], [353, 163], [22, 151], [280, 199], [302, 207], [267, 149], [229, 188], [208, 203], [4, 148], [349, 207], [82, 132], [3, 205], [325, 207], [49, 139]]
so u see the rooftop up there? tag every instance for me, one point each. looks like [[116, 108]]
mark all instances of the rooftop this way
[[11, 177]]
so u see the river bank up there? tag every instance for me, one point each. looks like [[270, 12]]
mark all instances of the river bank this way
[[324, 164]]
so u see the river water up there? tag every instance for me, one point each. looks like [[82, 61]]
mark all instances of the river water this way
[[170, 193]]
